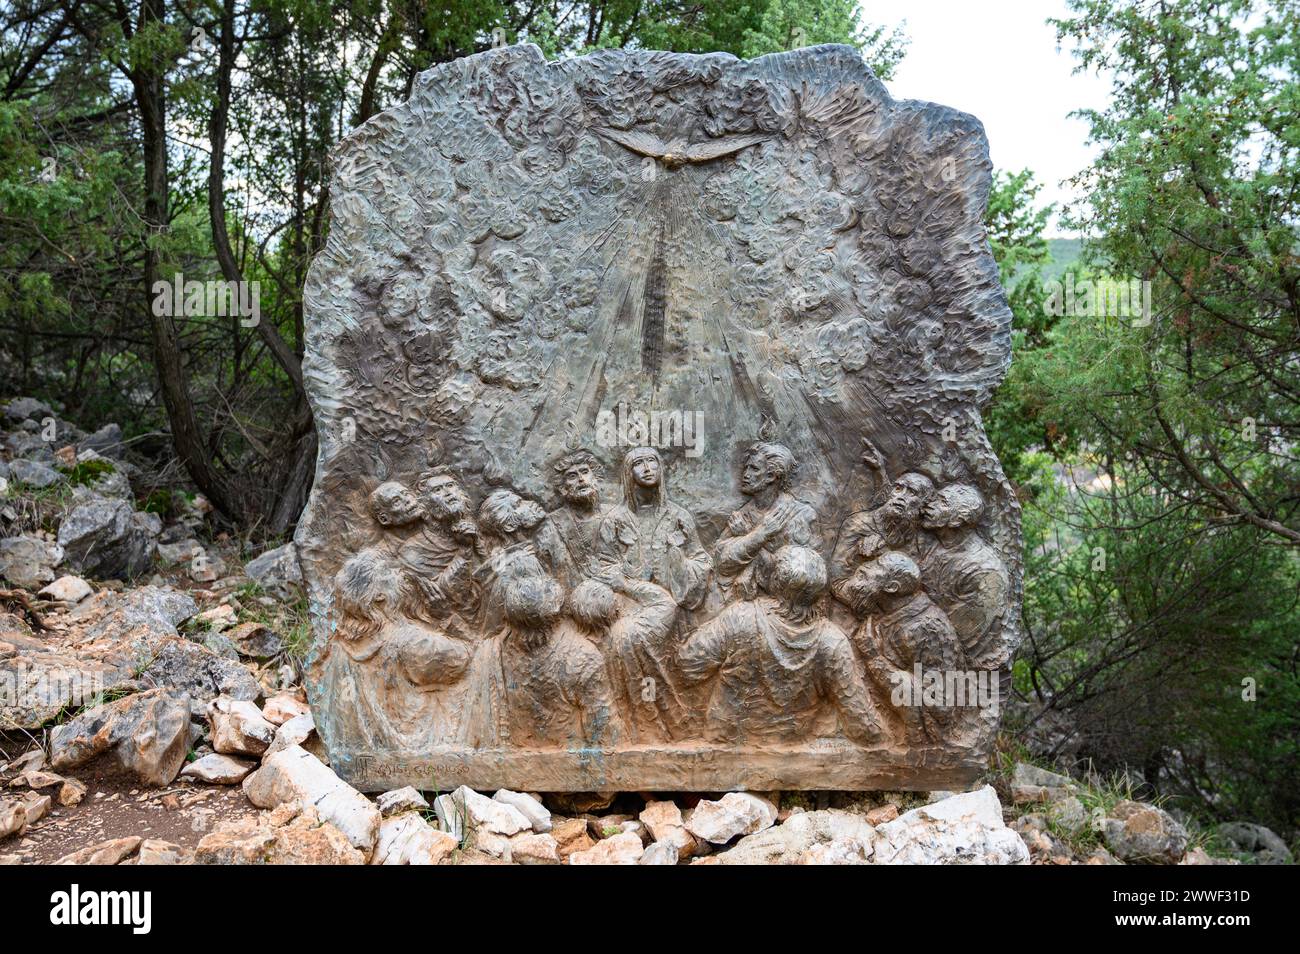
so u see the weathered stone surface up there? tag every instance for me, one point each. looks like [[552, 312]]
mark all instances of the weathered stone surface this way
[[788, 842], [1069, 813], [217, 769], [1029, 784], [304, 838], [29, 561], [130, 641], [238, 727], [41, 681], [255, 640], [571, 835], [27, 409], [1265, 844], [38, 806], [198, 671], [107, 538], [736, 813], [401, 800], [407, 839], [67, 589], [206, 566], [180, 551], [154, 851], [297, 777], [13, 817], [648, 389], [300, 730], [538, 817], [534, 848], [106, 441], [465, 810], [885, 813], [109, 852], [138, 613], [659, 853], [663, 822], [147, 734], [277, 571], [1144, 834], [31, 761], [33, 473], [283, 706], [35, 779], [71, 792], [621, 849], [962, 829], [115, 483]]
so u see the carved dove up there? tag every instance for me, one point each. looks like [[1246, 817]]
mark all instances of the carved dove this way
[[678, 152]]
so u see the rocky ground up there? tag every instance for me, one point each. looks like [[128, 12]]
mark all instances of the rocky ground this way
[[162, 721]]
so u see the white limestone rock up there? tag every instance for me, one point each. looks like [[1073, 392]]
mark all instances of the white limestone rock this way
[[401, 800], [238, 727], [296, 776], [407, 839], [217, 769], [624, 848], [736, 813], [960, 830], [465, 810], [538, 817], [67, 589]]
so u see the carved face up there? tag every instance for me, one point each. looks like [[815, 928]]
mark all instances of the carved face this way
[[937, 514], [910, 492], [957, 505], [446, 498], [877, 583], [757, 475], [646, 469], [578, 483], [394, 505]]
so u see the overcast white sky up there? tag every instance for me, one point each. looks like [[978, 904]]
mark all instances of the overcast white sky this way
[[998, 60]]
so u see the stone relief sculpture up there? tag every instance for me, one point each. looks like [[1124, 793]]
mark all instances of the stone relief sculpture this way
[[398, 670], [649, 537], [507, 523], [632, 623], [777, 661], [965, 575], [568, 536], [903, 633], [649, 391], [769, 520]]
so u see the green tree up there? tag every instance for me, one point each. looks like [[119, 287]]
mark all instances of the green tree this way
[[1155, 452]]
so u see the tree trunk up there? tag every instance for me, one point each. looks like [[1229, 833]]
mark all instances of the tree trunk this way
[[147, 81], [283, 354]]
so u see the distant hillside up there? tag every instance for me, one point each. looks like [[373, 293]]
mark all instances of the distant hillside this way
[[1065, 251]]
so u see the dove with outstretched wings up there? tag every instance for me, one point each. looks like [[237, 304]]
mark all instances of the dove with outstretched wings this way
[[679, 152]]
